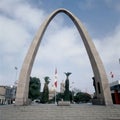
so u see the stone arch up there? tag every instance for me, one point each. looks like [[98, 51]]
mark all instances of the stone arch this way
[[104, 97]]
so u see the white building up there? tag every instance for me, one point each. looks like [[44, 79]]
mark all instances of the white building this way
[[62, 87]]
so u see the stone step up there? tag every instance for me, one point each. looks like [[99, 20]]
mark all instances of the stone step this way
[[54, 112]]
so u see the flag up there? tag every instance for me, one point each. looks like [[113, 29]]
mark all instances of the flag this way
[[112, 75], [55, 83]]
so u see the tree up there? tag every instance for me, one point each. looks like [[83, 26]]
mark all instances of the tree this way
[[59, 96], [71, 93], [45, 94], [34, 88], [76, 90], [82, 97]]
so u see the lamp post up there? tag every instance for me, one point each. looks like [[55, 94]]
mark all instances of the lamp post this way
[[16, 71]]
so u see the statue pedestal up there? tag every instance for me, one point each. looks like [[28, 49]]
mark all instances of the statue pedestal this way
[[63, 103], [22, 102], [98, 102]]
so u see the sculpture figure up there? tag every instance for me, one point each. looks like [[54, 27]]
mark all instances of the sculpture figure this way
[[67, 92]]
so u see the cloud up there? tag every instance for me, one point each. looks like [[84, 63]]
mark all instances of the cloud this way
[[109, 49], [62, 41], [86, 5], [113, 4], [64, 49], [61, 46], [23, 12], [18, 21], [12, 33]]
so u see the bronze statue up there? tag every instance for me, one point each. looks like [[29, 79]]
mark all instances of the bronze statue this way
[[67, 92]]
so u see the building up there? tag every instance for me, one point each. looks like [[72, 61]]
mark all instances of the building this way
[[115, 91], [62, 87], [51, 93], [2, 94], [7, 94]]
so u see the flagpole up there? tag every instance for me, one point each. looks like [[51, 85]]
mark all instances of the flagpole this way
[[55, 83], [16, 69], [55, 96]]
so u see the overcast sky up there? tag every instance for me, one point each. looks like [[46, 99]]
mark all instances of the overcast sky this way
[[61, 46]]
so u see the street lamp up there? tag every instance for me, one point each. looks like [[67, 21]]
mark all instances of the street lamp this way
[[16, 71]]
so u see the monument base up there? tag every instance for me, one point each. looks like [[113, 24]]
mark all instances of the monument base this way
[[98, 102], [21, 102], [63, 103]]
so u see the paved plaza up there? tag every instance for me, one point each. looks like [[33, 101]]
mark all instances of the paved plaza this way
[[54, 112]]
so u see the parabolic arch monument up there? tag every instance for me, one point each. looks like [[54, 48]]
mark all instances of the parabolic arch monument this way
[[103, 96]]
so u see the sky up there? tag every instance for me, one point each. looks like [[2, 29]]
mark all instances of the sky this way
[[61, 46]]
